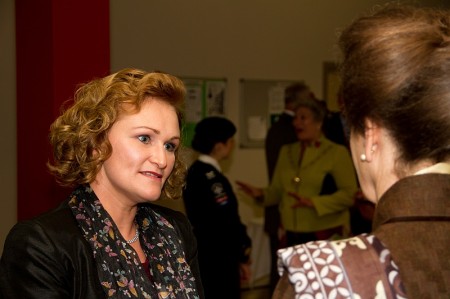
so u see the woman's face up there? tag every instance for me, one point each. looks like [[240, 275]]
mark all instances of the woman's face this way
[[307, 128], [143, 152]]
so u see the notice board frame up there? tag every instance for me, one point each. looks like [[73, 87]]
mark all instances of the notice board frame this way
[[204, 97]]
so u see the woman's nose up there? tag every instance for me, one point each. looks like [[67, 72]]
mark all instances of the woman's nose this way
[[159, 156]]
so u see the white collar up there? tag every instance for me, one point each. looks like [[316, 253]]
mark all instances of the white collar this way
[[289, 112], [436, 168], [210, 160]]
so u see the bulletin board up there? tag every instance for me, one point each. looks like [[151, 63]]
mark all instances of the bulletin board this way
[[261, 103], [204, 97]]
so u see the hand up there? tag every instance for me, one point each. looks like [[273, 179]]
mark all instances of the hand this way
[[245, 271], [301, 201], [250, 190]]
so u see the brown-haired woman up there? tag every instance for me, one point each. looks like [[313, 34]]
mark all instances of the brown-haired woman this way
[[396, 91]]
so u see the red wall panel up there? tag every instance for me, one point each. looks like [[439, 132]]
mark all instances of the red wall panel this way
[[59, 44]]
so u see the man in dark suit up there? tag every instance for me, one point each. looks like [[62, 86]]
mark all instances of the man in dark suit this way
[[280, 133], [335, 129]]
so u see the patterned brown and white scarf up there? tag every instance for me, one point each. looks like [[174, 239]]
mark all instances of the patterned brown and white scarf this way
[[358, 267]]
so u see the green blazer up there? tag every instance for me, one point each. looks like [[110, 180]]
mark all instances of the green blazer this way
[[318, 160]]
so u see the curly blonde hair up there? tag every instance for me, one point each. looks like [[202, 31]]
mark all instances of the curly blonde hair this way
[[80, 135]]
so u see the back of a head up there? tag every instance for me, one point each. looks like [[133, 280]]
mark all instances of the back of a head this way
[[210, 131], [295, 92], [396, 71]]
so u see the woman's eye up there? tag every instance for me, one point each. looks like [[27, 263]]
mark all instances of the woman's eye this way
[[144, 138], [170, 147]]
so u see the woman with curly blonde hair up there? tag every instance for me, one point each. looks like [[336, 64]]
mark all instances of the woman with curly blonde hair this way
[[118, 146]]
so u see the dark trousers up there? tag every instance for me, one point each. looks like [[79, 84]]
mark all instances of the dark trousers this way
[[295, 238], [274, 246]]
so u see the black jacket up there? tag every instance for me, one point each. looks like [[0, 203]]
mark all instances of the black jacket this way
[[223, 243], [48, 257]]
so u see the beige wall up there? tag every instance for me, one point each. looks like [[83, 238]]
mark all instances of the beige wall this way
[[233, 39]]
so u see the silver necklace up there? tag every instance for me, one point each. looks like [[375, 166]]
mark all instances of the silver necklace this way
[[135, 238]]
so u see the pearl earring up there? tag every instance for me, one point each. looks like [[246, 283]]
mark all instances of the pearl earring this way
[[363, 158]]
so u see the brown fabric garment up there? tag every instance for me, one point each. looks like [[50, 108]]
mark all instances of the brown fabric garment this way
[[412, 220], [358, 267], [283, 289]]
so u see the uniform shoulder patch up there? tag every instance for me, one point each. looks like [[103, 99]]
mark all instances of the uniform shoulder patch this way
[[210, 175]]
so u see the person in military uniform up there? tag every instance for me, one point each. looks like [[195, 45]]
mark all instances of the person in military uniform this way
[[212, 207]]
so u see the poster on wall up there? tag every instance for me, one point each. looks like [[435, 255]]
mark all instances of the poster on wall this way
[[276, 102], [204, 97], [194, 102], [215, 98], [262, 102]]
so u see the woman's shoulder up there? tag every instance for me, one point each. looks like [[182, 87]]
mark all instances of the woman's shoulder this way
[[200, 166], [335, 150], [53, 232], [46, 255], [293, 146], [335, 146], [203, 174], [52, 221]]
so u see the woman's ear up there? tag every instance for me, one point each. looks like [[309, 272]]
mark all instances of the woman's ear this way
[[371, 135], [217, 147], [217, 150]]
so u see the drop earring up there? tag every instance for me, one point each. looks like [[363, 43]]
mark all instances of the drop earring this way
[[363, 158]]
